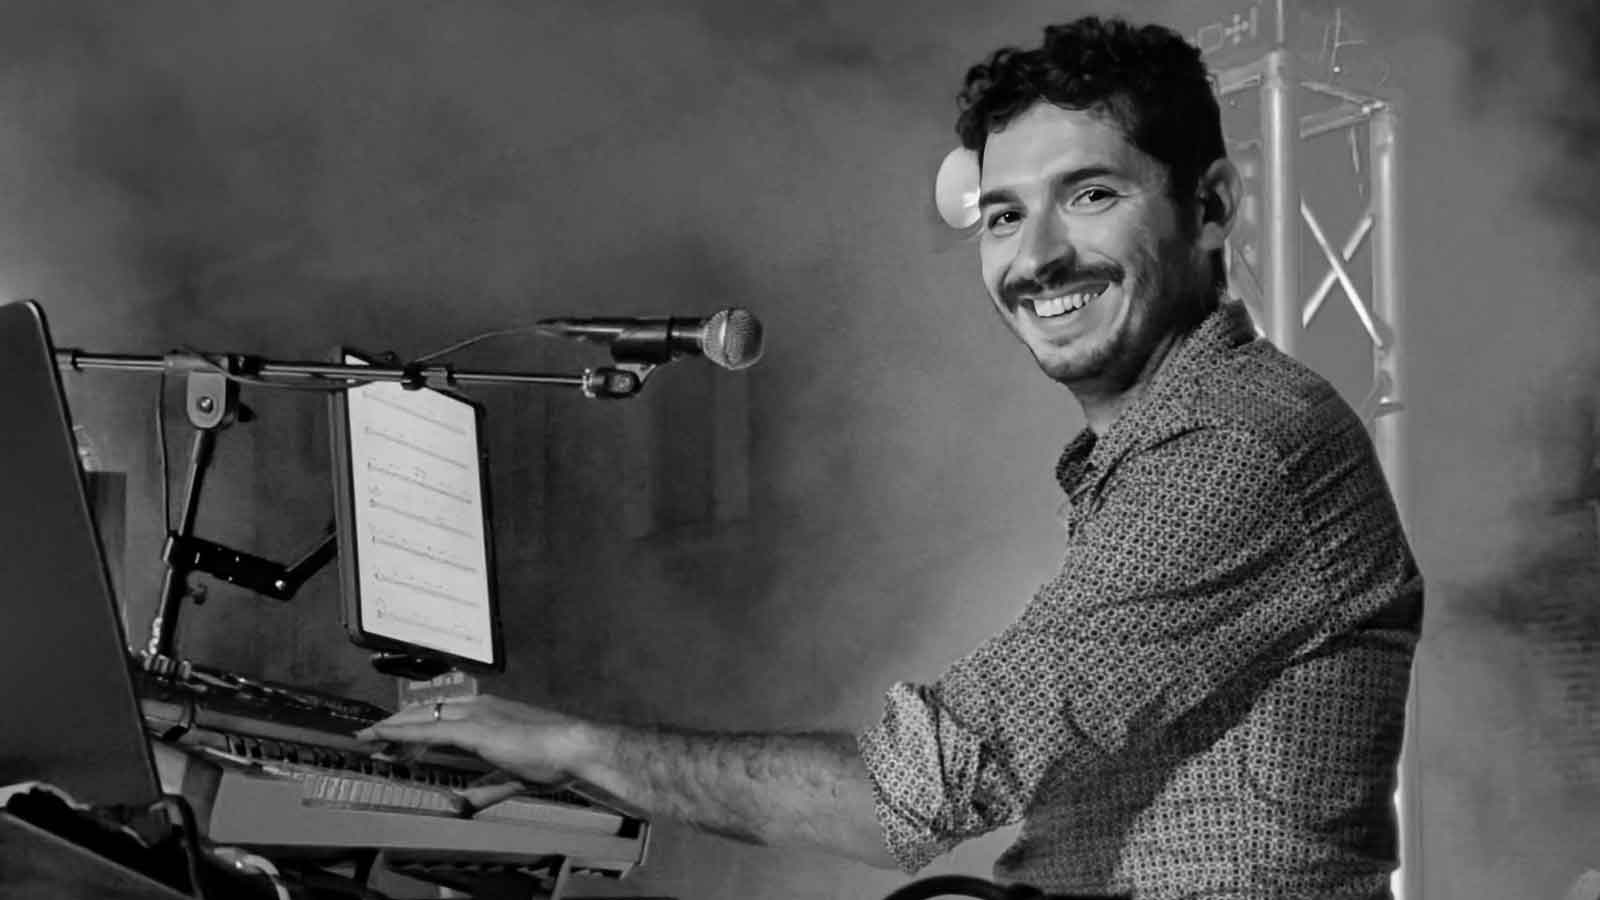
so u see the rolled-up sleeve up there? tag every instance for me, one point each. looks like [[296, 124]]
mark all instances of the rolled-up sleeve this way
[[1183, 576]]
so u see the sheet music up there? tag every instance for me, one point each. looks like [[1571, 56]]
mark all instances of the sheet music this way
[[419, 514]]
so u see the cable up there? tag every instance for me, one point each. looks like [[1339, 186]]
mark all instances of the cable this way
[[972, 886], [319, 383], [331, 384], [965, 886], [463, 344], [161, 451]]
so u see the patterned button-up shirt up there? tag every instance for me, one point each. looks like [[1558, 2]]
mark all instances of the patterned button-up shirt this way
[[1208, 699]]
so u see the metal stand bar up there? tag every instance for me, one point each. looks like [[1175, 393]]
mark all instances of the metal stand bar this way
[[1336, 268], [174, 582], [1280, 202], [1386, 285], [621, 380], [1389, 436], [1347, 253]]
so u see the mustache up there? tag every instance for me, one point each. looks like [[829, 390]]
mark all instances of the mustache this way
[[1052, 278]]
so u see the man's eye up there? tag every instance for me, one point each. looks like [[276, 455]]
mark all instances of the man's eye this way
[[1093, 197], [1002, 221]]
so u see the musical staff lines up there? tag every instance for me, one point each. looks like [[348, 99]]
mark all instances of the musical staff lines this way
[[411, 444], [421, 586], [416, 413], [454, 629], [421, 518], [419, 477], [437, 554], [422, 531]]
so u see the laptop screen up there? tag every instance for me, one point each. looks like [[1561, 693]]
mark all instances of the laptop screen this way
[[71, 717]]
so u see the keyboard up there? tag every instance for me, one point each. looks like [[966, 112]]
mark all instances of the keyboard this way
[[265, 720], [276, 768], [317, 816]]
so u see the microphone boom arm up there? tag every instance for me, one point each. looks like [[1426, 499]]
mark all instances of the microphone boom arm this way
[[608, 382]]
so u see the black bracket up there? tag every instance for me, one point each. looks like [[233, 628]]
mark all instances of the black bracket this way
[[406, 665], [617, 382], [253, 573]]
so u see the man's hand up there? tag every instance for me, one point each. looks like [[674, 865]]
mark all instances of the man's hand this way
[[780, 789], [533, 744]]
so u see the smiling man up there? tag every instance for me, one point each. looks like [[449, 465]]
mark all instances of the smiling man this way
[[1104, 215], [1207, 699]]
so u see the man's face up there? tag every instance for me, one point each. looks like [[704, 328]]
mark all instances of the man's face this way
[[1084, 251]]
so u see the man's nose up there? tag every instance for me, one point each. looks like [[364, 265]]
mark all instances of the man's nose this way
[[1045, 246]]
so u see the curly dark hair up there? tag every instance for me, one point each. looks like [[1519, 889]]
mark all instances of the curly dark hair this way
[[1148, 80]]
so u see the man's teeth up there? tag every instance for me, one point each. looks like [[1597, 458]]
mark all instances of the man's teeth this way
[[1050, 307]]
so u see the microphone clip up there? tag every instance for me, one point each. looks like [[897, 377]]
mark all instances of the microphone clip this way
[[618, 382], [644, 347]]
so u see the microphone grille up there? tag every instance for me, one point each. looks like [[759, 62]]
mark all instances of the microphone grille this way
[[732, 338]]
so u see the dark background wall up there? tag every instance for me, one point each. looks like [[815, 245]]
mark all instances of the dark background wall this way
[[769, 549]]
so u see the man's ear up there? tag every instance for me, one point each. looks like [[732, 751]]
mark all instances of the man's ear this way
[[1219, 190]]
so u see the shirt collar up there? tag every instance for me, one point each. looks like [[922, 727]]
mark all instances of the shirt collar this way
[[1153, 413]]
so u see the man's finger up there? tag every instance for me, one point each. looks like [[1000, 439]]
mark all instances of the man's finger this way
[[495, 777], [424, 713], [482, 795], [426, 732], [399, 752]]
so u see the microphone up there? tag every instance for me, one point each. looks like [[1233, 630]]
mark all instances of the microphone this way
[[730, 338]]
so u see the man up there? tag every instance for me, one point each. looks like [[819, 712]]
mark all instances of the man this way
[[1208, 698]]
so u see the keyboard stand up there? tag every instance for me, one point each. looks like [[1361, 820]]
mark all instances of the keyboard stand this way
[[549, 885], [39, 864], [36, 863]]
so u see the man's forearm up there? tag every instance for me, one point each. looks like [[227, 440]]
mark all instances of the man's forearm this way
[[778, 789]]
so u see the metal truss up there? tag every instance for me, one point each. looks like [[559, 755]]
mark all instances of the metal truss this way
[[1285, 311]]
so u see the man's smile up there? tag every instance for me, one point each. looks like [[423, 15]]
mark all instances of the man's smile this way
[[1064, 302]]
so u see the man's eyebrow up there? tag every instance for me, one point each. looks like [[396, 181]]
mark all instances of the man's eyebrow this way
[[1072, 176], [996, 195]]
